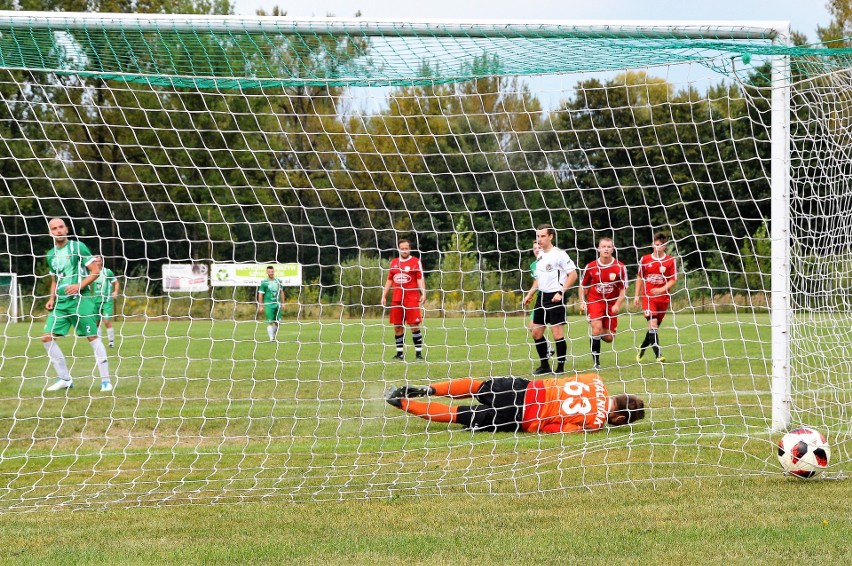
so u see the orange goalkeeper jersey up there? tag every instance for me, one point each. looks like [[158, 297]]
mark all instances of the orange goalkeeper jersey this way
[[566, 404]]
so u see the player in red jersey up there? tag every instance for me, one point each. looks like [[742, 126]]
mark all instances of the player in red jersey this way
[[657, 275], [409, 293], [603, 290], [511, 404]]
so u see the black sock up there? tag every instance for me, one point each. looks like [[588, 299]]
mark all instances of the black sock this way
[[645, 343], [561, 350], [417, 338], [655, 342], [541, 348], [596, 350], [400, 343]]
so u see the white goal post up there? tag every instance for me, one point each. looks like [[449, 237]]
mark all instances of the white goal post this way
[[10, 309], [182, 140]]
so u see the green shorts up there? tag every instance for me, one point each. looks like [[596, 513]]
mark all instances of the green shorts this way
[[532, 312], [81, 313], [106, 309], [273, 312]]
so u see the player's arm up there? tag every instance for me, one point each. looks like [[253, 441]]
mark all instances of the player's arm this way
[[640, 285], [619, 301], [422, 283], [622, 294], [116, 288], [569, 282], [280, 293], [260, 293], [387, 287], [531, 293], [581, 291], [563, 426], [52, 298], [94, 273]]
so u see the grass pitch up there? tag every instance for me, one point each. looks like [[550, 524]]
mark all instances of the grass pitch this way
[[208, 412]]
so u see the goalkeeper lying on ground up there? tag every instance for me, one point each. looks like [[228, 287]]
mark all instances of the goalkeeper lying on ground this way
[[512, 404]]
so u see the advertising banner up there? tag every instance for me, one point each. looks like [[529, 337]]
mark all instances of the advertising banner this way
[[185, 277], [251, 274]]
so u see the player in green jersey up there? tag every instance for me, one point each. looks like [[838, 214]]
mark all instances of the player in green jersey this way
[[72, 303], [106, 290], [270, 295]]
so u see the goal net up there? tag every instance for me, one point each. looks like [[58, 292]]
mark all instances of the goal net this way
[[191, 151]]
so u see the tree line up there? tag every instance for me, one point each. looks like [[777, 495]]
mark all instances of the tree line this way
[[151, 174]]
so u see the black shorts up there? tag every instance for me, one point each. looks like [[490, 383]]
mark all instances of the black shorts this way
[[548, 312], [502, 408]]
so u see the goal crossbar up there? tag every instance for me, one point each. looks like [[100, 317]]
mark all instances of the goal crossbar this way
[[751, 30]]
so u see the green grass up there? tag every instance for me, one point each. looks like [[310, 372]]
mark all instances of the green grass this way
[[773, 520], [212, 413]]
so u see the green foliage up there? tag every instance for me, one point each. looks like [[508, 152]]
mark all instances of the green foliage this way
[[757, 257], [361, 283], [463, 277], [292, 174]]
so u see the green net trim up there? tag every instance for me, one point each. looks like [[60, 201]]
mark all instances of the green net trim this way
[[202, 58]]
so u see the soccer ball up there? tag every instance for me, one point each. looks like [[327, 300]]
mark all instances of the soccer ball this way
[[804, 453]]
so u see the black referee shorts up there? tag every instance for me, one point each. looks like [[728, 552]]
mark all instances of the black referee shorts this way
[[501, 409], [548, 312]]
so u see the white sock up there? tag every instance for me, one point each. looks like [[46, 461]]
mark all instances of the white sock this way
[[111, 334], [270, 330], [57, 358], [101, 358]]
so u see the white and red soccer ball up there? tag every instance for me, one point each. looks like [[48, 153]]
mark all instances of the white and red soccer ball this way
[[804, 453]]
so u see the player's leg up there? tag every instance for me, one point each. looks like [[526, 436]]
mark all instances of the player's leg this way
[[542, 348], [456, 388], [396, 318], [100, 318], [106, 317], [426, 409], [610, 323], [532, 323], [561, 346], [502, 406], [556, 318], [486, 418], [276, 323], [596, 311], [413, 318], [463, 388], [652, 328], [417, 339], [658, 314], [270, 315], [654, 313], [57, 325], [87, 327], [597, 331]]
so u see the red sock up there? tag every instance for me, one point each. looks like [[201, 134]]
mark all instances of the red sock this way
[[430, 411], [456, 388]]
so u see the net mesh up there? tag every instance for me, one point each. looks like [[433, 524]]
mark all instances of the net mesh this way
[[266, 143]]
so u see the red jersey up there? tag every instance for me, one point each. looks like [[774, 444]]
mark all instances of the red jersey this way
[[604, 282], [406, 275], [657, 272], [566, 404]]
